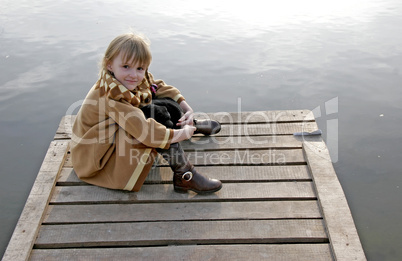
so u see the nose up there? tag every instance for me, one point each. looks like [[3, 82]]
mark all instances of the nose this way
[[133, 73]]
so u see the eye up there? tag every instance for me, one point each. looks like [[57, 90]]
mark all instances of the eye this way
[[126, 66], [140, 68]]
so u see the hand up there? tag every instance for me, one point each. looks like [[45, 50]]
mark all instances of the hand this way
[[183, 134], [188, 131], [186, 119]]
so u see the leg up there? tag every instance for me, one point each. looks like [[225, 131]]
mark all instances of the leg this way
[[185, 177], [168, 112]]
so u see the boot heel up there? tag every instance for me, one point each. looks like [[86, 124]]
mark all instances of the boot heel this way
[[180, 189]]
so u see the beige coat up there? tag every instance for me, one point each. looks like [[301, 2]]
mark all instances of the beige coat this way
[[113, 144]]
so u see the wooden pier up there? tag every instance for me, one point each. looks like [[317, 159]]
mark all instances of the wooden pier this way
[[281, 200]]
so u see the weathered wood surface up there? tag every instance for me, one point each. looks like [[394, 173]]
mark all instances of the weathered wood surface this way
[[185, 211], [288, 252], [228, 174], [279, 201], [164, 193], [181, 233]]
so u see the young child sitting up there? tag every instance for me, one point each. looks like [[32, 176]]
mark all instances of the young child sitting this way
[[128, 117]]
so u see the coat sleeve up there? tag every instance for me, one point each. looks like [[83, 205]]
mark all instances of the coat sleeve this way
[[147, 131], [164, 90]]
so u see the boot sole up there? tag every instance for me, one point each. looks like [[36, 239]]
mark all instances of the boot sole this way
[[208, 133], [185, 190]]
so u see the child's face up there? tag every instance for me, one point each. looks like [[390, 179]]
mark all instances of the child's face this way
[[130, 76]]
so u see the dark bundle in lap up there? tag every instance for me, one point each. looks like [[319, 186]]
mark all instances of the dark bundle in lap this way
[[165, 111]]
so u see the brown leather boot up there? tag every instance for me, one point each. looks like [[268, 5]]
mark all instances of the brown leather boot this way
[[185, 177], [192, 180], [207, 127]]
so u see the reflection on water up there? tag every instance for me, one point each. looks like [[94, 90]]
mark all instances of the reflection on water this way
[[224, 56]]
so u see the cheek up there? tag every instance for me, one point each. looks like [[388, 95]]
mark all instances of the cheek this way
[[119, 76]]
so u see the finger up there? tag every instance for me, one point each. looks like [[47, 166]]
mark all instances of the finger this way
[[182, 123], [183, 118]]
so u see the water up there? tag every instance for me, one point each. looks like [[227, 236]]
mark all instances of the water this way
[[342, 59]]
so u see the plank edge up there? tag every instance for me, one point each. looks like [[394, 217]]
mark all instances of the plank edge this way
[[345, 244]]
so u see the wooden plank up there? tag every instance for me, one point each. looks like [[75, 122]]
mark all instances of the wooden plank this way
[[288, 252], [68, 177], [227, 174], [247, 117], [344, 239], [240, 142], [266, 129], [189, 211], [177, 233], [247, 157], [65, 127], [252, 129], [240, 173], [165, 193], [26, 230], [68, 163], [237, 157], [203, 143]]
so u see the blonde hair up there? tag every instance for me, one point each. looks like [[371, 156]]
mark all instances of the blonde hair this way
[[134, 48]]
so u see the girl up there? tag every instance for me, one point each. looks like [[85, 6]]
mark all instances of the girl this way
[[114, 144]]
